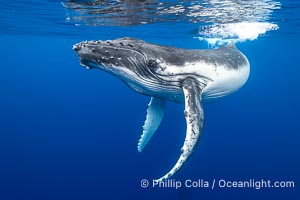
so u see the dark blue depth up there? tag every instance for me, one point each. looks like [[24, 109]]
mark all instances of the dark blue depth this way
[[71, 133]]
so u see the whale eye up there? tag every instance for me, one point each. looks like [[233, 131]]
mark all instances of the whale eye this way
[[152, 64]]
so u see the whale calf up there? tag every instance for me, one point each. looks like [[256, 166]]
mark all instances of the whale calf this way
[[169, 74]]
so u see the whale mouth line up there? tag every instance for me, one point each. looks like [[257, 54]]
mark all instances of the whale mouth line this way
[[85, 63]]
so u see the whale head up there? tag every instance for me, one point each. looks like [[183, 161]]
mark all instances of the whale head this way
[[134, 61]]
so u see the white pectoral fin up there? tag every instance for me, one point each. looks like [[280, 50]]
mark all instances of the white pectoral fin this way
[[155, 113], [194, 120]]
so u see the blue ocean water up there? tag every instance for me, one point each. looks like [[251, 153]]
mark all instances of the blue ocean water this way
[[71, 133]]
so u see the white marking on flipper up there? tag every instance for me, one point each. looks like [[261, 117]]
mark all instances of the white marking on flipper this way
[[194, 117], [155, 113]]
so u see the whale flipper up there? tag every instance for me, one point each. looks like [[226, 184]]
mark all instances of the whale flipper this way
[[194, 117], [155, 113]]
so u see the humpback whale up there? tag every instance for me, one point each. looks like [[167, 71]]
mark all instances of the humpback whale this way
[[166, 73]]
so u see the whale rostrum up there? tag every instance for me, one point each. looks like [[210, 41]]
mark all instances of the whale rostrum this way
[[166, 73]]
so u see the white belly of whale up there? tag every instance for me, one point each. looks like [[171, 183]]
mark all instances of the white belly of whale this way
[[225, 81]]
